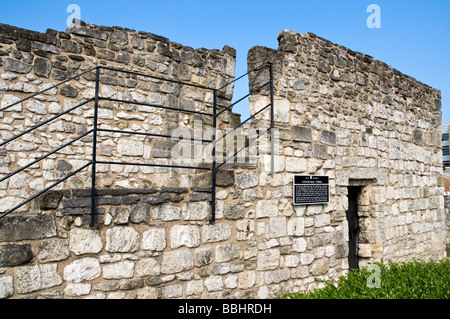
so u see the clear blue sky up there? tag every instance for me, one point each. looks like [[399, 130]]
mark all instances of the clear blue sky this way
[[414, 36]]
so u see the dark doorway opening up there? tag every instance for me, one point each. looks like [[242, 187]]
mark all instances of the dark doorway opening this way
[[353, 225]]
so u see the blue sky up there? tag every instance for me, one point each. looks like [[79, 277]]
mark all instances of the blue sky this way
[[414, 36]]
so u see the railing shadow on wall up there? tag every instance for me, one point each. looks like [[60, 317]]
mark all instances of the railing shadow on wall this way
[[94, 131]]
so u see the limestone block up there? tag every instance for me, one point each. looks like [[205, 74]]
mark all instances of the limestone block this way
[[77, 289], [172, 291], [147, 267], [9, 99], [276, 276], [82, 270], [154, 239], [16, 66], [17, 228], [216, 232], [203, 256], [306, 258], [214, 283], [184, 235], [176, 261], [6, 287], [296, 164], [85, 241], [196, 210], [296, 226], [227, 252], [130, 147], [268, 259], [194, 287], [246, 279], [122, 239], [247, 180], [36, 107], [299, 244], [15, 255], [266, 208], [33, 278], [53, 250], [277, 227], [166, 212], [118, 270], [322, 220]]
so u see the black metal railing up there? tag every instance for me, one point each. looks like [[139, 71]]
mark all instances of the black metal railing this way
[[96, 129]]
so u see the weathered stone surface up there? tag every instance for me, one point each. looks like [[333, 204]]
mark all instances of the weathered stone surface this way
[[42, 67], [122, 239], [247, 180], [82, 270], [119, 270], [140, 213], [68, 91], [216, 232], [268, 259], [16, 66], [85, 241], [53, 250], [302, 134], [147, 267], [15, 255], [227, 252], [17, 228], [166, 212], [196, 210], [234, 212], [6, 287], [184, 235], [34, 278], [177, 261], [266, 208], [154, 239]]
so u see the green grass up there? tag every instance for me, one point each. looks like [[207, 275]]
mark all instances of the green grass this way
[[411, 280]]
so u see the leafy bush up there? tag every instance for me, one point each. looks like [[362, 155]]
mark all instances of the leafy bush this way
[[411, 280]]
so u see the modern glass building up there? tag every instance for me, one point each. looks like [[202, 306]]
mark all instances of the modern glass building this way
[[445, 146]]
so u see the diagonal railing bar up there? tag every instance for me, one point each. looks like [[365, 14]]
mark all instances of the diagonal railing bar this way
[[45, 156], [49, 88], [242, 148], [238, 78], [44, 122], [45, 190], [246, 96], [96, 129], [242, 123]]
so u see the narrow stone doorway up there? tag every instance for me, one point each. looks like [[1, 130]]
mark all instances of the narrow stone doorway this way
[[353, 225]]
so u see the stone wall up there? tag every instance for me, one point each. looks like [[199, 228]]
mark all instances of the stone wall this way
[[362, 123], [338, 113], [31, 62]]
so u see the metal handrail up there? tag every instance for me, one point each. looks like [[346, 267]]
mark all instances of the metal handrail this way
[[94, 131]]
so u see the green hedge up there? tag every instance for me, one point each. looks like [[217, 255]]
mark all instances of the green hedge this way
[[411, 280]]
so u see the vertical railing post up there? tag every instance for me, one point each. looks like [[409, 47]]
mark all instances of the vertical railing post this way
[[94, 148], [272, 126], [214, 172]]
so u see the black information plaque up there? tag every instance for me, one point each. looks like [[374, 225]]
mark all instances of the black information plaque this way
[[310, 189]]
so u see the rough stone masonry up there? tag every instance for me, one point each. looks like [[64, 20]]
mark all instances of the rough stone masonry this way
[[338, 113]]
